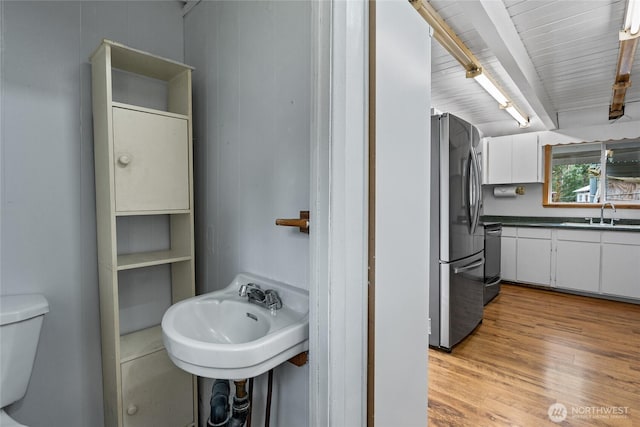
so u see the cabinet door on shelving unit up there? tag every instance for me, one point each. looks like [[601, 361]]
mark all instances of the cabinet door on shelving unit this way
[[151, 156], [156, 393]]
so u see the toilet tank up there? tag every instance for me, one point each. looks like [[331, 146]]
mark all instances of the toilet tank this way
[[20, 322]]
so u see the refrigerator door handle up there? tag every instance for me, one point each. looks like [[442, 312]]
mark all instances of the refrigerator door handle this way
[[458, 270], [474, 193], [470, 190]]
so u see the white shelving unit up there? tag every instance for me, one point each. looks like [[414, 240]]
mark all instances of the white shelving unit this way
[[143, 166]]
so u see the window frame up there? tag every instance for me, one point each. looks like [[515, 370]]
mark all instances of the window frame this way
[[546, 188]]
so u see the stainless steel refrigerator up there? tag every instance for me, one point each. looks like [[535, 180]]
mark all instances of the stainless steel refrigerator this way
[[457, 242]]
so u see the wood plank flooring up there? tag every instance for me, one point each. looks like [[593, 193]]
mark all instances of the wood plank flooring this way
[[536, 348]]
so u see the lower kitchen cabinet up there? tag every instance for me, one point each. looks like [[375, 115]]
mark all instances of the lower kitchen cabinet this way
[[533, 259], [595, 262], [508, 254], [578, 260], [156, 393], [621, 264]]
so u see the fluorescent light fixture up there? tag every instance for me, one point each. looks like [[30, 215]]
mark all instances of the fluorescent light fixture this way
[[456, 48], [632, 17], [491, 88], [520, 118], [487, 83]]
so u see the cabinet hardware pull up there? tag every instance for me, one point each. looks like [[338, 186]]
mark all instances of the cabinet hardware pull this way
[[132, 410], [302, 222], [124, 159]]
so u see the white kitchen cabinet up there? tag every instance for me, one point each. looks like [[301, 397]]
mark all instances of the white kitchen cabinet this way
[[508, 254], [577, 262], [621, 264], [512, 159], [498, 152], [143, 170], [533, 256], [595, 262]]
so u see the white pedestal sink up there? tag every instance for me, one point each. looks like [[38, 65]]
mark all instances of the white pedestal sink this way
[[222, 335]]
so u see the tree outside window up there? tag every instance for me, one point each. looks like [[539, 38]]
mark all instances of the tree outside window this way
[[576, 174]]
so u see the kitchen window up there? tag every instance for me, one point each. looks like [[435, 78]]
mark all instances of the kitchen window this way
[[588, 174]]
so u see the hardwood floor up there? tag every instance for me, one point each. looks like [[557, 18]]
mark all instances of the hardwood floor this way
[[536, 348]]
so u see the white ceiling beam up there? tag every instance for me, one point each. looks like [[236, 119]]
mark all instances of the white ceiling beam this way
[[492, 21]]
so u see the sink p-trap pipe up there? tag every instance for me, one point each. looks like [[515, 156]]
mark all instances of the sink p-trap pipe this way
[[241, 405]]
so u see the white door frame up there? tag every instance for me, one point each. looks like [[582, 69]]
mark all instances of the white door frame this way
[[339, 168]]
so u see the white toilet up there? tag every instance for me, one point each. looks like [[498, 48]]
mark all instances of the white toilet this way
[[20, 322]]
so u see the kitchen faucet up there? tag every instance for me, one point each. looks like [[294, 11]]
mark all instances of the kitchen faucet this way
[[602, 212], [267, 298]]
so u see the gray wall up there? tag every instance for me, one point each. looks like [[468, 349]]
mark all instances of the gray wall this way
[[48, 242], [252, 90], [530, 204]]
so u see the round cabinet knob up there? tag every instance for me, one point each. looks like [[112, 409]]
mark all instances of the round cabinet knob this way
[[132, 410], [124, 160]]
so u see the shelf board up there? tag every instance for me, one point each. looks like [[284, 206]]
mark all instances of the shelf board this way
[[148, 110], [148, 259], [140, 343], [167, 212], [136, 61]]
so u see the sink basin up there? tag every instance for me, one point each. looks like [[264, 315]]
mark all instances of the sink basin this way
[[222, 335]]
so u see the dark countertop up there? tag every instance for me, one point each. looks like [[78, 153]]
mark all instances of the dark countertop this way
[[563, 222]]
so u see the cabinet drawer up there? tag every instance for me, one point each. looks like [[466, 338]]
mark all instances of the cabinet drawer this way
[[579, 236], [622, 238], [534, 233], [156, 393], [509, 231]]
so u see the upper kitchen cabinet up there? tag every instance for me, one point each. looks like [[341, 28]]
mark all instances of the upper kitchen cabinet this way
[[512, 159]]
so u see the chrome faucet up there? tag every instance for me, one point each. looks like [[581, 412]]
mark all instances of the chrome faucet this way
[[267, 298], [602, 212]]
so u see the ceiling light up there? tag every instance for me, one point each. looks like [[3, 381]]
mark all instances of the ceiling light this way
[[632, 18], [456, 48], [516, 114], [488, 85], [492, 89]]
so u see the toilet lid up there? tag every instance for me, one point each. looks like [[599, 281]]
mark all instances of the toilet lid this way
[[15, 308]]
